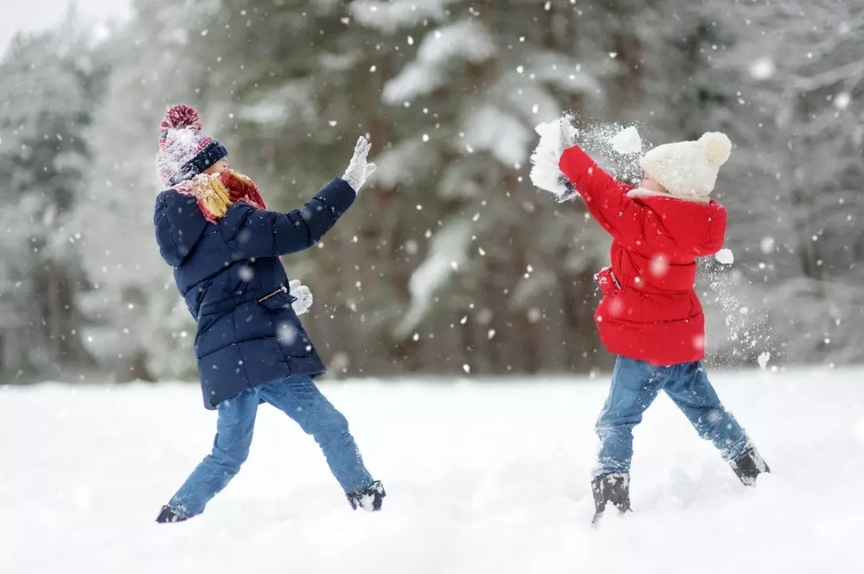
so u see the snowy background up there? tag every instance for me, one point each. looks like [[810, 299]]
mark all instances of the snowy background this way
[[451, 263], [453, 303]]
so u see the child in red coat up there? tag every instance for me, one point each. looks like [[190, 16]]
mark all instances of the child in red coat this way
[[650, 315]]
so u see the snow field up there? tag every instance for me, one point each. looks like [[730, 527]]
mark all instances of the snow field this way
[[481, 477]]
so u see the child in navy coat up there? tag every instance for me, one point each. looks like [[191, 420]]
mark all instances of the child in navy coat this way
[[212, 227]]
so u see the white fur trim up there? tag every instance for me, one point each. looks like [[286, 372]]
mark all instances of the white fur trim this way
[[642, 192], [688, 169]]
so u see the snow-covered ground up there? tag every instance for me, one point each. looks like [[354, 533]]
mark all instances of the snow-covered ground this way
[[481, 477]]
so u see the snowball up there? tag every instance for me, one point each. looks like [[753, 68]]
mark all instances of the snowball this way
[[767, 245], [627, 141], [544, 160], [725, 257], [763, 359]]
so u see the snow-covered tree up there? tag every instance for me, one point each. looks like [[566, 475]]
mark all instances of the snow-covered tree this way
[[450, 259], [51, 84], [138, 327]]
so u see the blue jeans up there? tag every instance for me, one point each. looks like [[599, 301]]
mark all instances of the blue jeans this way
[[635, 385], [300, 399]]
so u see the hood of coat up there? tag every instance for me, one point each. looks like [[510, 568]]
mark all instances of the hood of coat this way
[[694, 227], [179, 226]]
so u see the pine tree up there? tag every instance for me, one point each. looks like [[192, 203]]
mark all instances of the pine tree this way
[[49, 93]]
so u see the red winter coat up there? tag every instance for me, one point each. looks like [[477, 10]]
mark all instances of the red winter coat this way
[[649, 309]]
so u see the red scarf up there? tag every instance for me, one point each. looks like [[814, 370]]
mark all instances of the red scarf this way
[[216, 192]]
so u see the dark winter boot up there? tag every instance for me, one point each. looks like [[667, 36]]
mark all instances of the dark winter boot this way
[[369, 499], [169, 514], [748, 466], [613, 488]]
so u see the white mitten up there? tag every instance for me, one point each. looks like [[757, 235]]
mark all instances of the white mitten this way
[[303, 295], [555, 137], [359, 170]]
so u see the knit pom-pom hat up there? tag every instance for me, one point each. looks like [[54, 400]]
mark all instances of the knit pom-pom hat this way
[[688, 169], [184, 151]]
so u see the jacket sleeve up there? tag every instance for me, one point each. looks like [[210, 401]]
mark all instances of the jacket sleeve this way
[[254, 232], [716, 234], [605, 197]]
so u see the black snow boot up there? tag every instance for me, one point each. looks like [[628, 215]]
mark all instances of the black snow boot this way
[[368, 499], [748, 466], [613, 488], [168, 514]]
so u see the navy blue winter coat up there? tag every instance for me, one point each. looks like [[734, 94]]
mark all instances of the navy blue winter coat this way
[[235, 286]]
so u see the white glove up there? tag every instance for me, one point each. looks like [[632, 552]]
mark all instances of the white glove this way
[[358, 170], [555, 137], [303, 295]]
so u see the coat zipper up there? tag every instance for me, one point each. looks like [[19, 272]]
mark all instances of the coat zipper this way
[[282, 289]]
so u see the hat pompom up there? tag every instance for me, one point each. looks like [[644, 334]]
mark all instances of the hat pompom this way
[[181, 117], [717, 148]]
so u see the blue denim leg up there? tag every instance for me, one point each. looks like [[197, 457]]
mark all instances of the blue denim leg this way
[[635, 385], [690, 389], [299, 398], [230, 449]]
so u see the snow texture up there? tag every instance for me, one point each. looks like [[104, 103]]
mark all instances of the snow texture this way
[[294, 100], [725, 256], [489, 477], [555, 136], [596, 139], [463, 41], [746, 328], [401, 162], [389, 17], [627, 141], [447, 251], [563, 73], [491, 128]]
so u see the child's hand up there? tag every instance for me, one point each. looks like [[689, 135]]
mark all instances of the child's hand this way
[[358, 170], [555, 137], [303, 295]]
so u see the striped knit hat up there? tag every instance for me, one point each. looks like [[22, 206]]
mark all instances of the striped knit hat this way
[[184, 151]]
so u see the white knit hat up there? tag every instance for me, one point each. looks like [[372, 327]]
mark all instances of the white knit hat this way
[[688, 169]]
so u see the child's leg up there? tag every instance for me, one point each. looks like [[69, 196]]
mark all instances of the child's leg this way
[[635, 385], [690, 389], [300, 399], [230, 449]]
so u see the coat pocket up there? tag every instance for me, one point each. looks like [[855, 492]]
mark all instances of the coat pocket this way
[[292, 338], [278, 299]]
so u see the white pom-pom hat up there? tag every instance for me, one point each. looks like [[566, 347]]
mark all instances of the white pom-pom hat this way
[[688, 169]]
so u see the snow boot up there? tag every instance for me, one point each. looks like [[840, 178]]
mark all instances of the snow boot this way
[[614, 488], [368, 499], [168, 514], [748, 466]]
